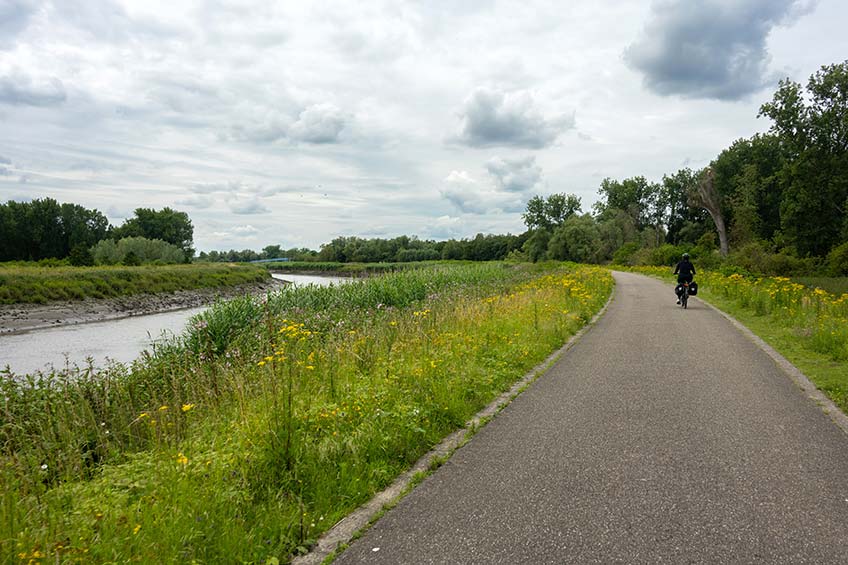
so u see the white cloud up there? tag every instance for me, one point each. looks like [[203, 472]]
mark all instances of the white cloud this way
[[320, 123], [245, 230]]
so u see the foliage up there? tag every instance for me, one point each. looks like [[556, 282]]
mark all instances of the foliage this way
[[166, 225], [111, 252], [38, 284], [247, 449], [81, 257], [548, 213], [43, 228]]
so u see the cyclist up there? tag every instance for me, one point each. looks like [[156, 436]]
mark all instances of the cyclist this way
[[685, 272]]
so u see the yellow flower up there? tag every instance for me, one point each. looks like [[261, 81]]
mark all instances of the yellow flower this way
[[182, 459], [163, 408], [261, 363], [136, 529], [143, 415], [187, 407]]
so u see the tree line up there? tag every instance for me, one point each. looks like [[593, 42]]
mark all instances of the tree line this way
[[45, 229], [773, 203]]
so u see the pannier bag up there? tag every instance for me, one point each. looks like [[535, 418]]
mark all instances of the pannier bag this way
[[693, 288], [678, 290]]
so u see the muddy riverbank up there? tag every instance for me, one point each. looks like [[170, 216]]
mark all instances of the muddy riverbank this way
[[16, 318]]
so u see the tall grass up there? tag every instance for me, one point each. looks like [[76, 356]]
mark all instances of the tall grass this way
[[271, 419], [38, 284]]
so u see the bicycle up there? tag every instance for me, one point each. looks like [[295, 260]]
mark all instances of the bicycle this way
[[684, 295]]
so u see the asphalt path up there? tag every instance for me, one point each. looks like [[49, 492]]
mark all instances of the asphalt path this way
[[662, 436]]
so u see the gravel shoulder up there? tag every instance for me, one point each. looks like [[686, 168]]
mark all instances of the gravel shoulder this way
[[19, 318]]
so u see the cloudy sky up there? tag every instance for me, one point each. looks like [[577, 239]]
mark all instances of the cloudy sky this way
[[294, 122]]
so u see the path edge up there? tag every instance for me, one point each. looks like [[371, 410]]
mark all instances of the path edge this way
[[800, 379], [344, 531]]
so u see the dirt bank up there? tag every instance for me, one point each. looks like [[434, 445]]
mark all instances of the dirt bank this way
[[25, 317]]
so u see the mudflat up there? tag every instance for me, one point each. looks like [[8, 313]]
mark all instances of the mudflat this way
[[16, 318]]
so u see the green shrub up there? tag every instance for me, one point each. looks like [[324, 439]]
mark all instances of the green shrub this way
[[837, 260], [81, 257], [625, 253], [110, 252]]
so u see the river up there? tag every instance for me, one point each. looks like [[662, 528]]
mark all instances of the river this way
[[120, 340]]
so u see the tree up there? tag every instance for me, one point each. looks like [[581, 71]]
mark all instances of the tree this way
[[577, 239], [168, 225], [707, 197], [636, 196], [812, 129], [547, 213]]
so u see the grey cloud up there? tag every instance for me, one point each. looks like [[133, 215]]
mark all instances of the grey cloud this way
[[106, 20], [5, 172], [5, 161], [471, 197], [320, 123], [211, 187], [492, 118], [200, 202], [20, 90], [711, 48], [515, 175], [250, 207], [14, 18]]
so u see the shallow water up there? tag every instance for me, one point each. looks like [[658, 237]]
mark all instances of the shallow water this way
[[113, 340]]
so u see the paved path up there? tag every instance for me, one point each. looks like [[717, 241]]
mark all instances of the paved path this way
[[662, 436]]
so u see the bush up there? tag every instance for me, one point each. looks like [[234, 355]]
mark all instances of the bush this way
[[837, 260], [81, 257], [625, 253], [110, 252], [131, 259], [755, 257]]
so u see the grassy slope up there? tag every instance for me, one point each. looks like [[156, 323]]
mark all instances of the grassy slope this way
[[43, 284]]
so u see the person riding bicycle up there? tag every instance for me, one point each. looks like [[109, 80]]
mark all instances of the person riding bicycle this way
[[685, 272]]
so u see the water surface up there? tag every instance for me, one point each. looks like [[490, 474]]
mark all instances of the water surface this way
[[120, 340]]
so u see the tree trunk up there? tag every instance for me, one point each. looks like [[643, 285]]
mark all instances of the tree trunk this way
[[708, 198]]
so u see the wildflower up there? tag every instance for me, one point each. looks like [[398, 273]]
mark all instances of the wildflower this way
[[187, 407], [261, 363], [136, 529], [143, 415], [182, 459], [163, 407], [44, 466]]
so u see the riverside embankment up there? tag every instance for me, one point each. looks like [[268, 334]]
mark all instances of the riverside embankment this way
[[61, 334]]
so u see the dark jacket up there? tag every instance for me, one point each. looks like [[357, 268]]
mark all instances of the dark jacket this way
[[685, 271]]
